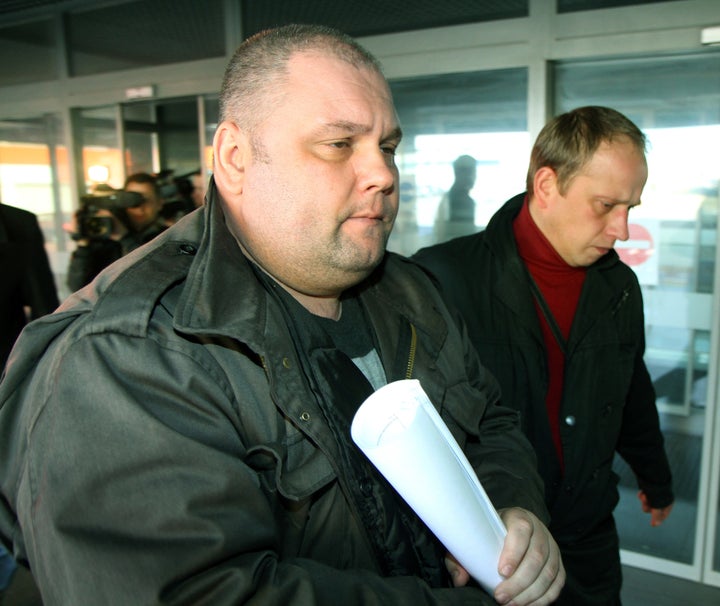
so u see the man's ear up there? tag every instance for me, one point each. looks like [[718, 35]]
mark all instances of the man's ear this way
[[545, 186], [230, 153]]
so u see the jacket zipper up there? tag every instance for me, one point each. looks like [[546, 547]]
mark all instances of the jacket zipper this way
[[623, 297], [410, 363], [411, 353]]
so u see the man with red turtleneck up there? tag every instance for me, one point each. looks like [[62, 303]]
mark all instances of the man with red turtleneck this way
[[558, 319]]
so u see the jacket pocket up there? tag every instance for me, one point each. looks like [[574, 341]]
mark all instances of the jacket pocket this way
[[291, 465]]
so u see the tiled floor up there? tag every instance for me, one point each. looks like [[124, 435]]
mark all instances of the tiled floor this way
[[645, 588]]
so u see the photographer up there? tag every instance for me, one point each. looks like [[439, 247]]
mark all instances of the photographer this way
[[108, 227]]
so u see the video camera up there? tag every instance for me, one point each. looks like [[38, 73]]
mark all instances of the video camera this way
[[96, 227]]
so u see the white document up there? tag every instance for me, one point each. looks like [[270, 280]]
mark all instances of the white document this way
[[403, 435]]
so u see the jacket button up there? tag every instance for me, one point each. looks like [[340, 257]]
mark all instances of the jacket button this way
[[286, 362], [570, 420], [187, 249], [305, 416]]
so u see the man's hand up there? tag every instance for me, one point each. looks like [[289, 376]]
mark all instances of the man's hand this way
[[530, 562], [657, 516]]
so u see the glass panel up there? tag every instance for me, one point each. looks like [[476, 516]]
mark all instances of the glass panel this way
[[140, 149], [35, 176], [28, 53], [672, 248], [212, 116], [162, 136], [179, 152], [140, 133], [716, 557], [178, 136], [482, 115], [144, 33], [101, 156]]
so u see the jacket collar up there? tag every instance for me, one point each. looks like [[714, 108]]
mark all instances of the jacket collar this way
[[222, 296]]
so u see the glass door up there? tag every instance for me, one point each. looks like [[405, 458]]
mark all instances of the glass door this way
[[673, 250]]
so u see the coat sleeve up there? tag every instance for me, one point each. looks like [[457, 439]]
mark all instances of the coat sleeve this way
[[501, 455], [134, 489], [641, 441]]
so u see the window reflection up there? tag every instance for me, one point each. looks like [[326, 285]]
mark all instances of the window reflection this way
[[482, 115]]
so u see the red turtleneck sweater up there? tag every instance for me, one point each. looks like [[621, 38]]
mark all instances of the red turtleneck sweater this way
[[560, 285]]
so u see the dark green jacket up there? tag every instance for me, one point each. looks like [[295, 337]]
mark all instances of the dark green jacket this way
[[159, 444], [608, 398]]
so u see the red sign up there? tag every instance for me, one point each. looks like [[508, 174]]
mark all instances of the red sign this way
[[639, 246]]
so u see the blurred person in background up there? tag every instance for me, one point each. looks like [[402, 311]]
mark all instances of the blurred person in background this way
[[130, 227], [456, 211]]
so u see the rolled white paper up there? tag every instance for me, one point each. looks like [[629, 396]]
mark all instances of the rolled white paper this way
[[403, 435]]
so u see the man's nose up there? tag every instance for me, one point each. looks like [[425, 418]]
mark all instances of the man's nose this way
[[376, 170], [618, 226]]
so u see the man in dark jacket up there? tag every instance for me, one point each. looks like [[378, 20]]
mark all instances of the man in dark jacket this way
[[27, 285], [179, 432], [558, 320], [132, 227]]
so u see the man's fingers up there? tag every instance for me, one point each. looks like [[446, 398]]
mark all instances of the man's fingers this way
[[460, 576]]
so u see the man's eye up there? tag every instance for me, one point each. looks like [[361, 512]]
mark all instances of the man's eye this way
[[390, 150], [339, 144]]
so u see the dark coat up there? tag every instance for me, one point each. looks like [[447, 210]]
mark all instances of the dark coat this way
[[159, 441], [25, 276], [608, 400]]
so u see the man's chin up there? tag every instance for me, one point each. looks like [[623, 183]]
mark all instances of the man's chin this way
[[363, 264]]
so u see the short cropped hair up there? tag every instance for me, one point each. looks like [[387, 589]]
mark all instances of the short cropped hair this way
[[568, 141], [259, 66]]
